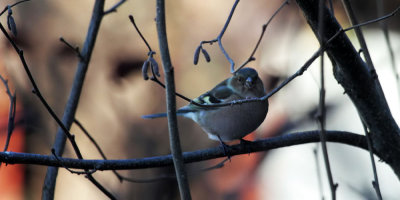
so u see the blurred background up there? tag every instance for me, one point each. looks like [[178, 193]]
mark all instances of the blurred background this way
[[115, 96]]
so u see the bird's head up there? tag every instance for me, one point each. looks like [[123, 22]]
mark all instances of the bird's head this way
[[246, 82]]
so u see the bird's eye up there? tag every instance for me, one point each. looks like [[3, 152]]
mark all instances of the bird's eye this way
[[240, 79]]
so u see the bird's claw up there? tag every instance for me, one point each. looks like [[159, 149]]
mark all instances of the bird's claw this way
[[225, 147]]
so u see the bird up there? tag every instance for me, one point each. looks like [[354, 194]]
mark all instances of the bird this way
[[232, 122]]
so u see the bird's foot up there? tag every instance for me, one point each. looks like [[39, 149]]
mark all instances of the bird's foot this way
[[225, 147]]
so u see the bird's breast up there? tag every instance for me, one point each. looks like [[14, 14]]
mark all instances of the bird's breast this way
[[233, 122]]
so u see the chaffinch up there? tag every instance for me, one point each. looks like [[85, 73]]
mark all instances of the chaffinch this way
[[232, 122]]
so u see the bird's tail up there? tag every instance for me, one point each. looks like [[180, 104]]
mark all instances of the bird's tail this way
[[152, 116], [180, 112]]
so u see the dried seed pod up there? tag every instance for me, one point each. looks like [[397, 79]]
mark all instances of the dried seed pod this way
[[206, 55], [9, 10], [196, 55], [154, 66], [11, 25], [145, 68]]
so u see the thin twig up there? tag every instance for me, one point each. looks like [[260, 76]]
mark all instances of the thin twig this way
[[288, 80], [359, 84], [75, 49], [319, 177], [114, 8], [150, 60], [264, 27], [375, 182], [303, 68], [84, 130], [12, 112], [48, 189], [391, 14], [88, 174], [171, 103], [150, 54], [173, 176], [219, 38], [155, 79], [6, 8], [139, 32], [331, 7], [70, 170], [100, 187], [293, 76], [385, 31], [306, 65], [39, 94], [220, 35], [322, 109], [163, 177], [298, 72], [360, 36]]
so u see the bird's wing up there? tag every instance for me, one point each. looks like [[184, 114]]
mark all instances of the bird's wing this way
[[216, 95]]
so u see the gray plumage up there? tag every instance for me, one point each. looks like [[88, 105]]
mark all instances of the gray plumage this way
[[229, 122]]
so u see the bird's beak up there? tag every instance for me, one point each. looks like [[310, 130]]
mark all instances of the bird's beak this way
[[249, 82]]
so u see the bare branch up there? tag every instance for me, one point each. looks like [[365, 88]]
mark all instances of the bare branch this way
[[264, 28], [75, 49], [319, 177], [288, 80], [114, 8], [352, 17], [359, 84], [385, 31], [12, 112], [48, 189], [221, 34], [72, 103], [84, 130], [10, 6], [85, 171], [171, 103], [173, 176], [140, 33], [375, 182], [286, 140], [379, 19], [39, 94], [304, 67], [150, 62], [322, 109]]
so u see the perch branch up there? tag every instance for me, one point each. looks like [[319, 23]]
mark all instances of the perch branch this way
[[287, 140]]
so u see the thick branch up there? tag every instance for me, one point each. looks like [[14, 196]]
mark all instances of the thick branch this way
[[361, 85], [73, 100], [348, 138], [174, 141]]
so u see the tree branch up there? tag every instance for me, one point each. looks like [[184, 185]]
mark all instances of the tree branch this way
[[175, 145], [73, 100], [11, 112], [321, 118], [114, 8], [288, 140], [359, 84], [219, 40]]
